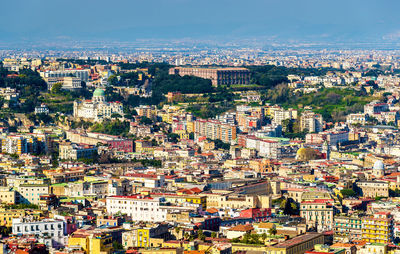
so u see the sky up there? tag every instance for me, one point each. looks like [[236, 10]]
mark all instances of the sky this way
[[219, 20]]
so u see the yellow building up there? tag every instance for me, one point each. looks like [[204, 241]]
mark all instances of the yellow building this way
[[58, 189], [182, 134], [151, 235], [377, 228], [230, 201], [238, 247], [143, 146], [162, 250], [190, 126], [6, 216], [95, 243], [186, 245], [143, 236], [182, 198], [208, 145], [197, 200]]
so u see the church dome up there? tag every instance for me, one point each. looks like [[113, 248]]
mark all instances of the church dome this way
[[378, 165], [99, 92], [306, 154]]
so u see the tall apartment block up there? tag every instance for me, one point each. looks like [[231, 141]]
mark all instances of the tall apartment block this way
[[378, 228], [214, 129]]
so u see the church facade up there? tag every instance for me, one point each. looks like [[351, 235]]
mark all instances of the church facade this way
[[98, 108]]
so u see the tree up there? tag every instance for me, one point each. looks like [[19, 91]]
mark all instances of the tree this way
[[289, 207], [201, 235], [56, 88], [191, 136], [115, 115], [117, 246], [173, 137], [186, 235], [272, 231], [187, 84], [213, 234], [264, 236], [145, 120], [348, 193], [219, 144]]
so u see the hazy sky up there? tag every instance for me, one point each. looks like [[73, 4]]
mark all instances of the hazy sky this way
[[124, 20]]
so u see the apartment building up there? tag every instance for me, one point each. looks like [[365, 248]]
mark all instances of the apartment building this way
[[180, 199], [81, 74], [140, 208], [54, 229], [68, 83], [72, 151], [347, 227], [30, 193], [8, 195], [267, 148], [375, 107], [378, 228], [332, 137], [91, 241], [26, 143], [42, 109], [146, 110], [140, 236], [7, 216], [359, 118], [143, 146], [214, 129], [235, 201], [318, 213], [311, 122], [282, 114]]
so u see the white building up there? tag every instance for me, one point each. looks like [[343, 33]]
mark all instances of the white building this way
[[356, 118], [140, 208], [81, 74], [97, 109], [55, 230], [42, 109], [68, 83], [270, 149], [265, 147]]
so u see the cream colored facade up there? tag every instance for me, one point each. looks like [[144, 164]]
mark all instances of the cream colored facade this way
[[373, 189], [7, 195], [97, 109], [30, 193], [225, 201]]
